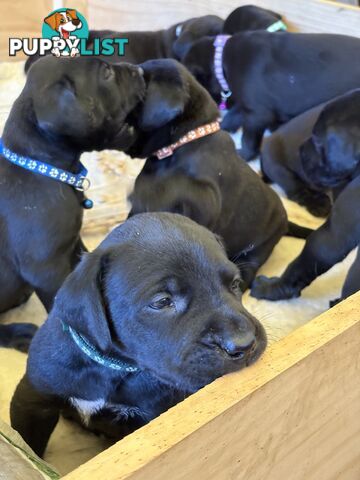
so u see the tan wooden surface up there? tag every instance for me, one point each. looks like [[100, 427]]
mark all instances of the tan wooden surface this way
[[302, 15], [294, 415]]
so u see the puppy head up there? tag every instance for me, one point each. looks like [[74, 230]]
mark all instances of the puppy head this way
[[64, 22], [332, 154], [174, 103], [161, 293], [199, 60], [84, 101], [249, 17], [186, 33], [167, 93]]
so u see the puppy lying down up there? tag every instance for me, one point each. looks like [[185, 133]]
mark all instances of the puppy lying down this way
[[151, 316], [330, 157]]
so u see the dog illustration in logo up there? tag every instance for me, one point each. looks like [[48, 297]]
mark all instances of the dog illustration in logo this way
[[64, 23]]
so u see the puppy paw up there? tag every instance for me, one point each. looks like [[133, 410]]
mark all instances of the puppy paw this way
[[320, 207], [317, 203], [332, 303], [17, 336], [248, 154], [272, 289], [230, 124]]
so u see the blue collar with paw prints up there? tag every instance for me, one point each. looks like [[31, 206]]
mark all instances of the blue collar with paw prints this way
[[79, 181]]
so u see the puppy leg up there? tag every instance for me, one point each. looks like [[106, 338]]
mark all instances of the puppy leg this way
[[14, 291], [352, 281], [317, 203], [250, 143], [46, 277], [233, 120], [17, 335], [33, 415], [250, 263], [324, 248], [255, 121]]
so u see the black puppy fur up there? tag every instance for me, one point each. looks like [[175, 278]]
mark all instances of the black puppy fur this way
[[249, 17], [173, 42], [281, 163], [54, 120], [331, 158], [275, 77], [205, 180], [160, 294]]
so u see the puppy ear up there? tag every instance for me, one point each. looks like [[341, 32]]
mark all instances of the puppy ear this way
[[80, 302], [163, 103], [342, 149], [52, 21], [72, 13], [58, 111]]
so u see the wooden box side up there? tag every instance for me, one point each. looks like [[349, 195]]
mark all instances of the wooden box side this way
[[294, 414]]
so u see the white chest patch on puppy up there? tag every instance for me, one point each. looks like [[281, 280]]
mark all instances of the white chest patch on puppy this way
[[86, 408]]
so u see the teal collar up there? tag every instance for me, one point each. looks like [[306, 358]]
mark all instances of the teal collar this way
[[277, 26], [92, 352]]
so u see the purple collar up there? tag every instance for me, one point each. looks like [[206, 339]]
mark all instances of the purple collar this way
[[219, 44]]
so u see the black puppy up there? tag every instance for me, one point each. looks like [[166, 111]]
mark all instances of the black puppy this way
[[67, 106], [281, 163], [330, 158], [251, 17], [205, 179], [275, 77], [173, 42], [151, 316]]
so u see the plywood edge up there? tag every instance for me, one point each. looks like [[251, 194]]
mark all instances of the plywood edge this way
[[142, 447], [345, 6]]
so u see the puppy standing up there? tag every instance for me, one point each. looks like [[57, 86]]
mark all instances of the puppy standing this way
[[151, 316], [331, 159], [202, 177], [54, 120], [275, 77]]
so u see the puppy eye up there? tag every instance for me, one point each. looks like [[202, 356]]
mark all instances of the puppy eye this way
[[62, 20], [160, 303], [235, 285], [108, 72]]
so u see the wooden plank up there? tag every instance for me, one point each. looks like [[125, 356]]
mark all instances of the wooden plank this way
[[350, 2], [295, 415], [305, 16]]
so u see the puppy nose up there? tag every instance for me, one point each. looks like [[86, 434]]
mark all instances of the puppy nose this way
[[238, 346], [76, 22]]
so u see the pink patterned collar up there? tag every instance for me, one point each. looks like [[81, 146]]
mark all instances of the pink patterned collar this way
[[198, 132], [219, 44]]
